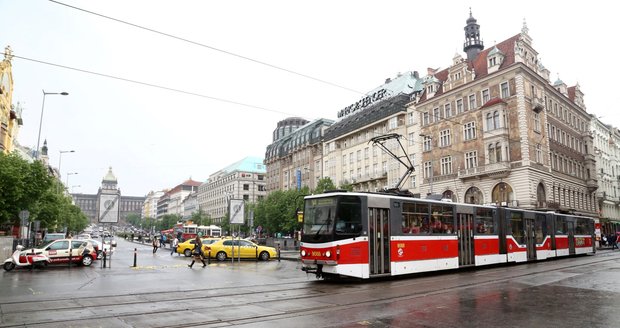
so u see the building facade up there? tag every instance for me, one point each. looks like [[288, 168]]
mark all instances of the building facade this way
[[496, 131], [607, 151], [91, 203], [171, 202], [149, 209], [294, 159], [242, 180], [351, 157], [10, 116]]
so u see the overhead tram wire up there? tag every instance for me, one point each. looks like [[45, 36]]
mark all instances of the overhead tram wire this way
[[209, 47], [152, 85]]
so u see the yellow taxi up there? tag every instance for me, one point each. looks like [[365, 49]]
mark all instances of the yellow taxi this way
[[187, 246], [223, 249]]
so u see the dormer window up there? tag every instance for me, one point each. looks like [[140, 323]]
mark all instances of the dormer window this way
[[492, 61], [457, 76]]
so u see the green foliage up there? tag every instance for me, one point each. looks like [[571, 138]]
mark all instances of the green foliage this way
[[277, 212], [28, 186], [323, 185], [346, 186]]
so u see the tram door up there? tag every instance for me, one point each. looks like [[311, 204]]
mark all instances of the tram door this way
[[571, 237], [379, 240], [465, 232], [530, 238]]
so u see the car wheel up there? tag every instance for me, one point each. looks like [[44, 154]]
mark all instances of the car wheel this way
[[221, 256], [264, 256], [87, 260], [187, 252], [8, 266]]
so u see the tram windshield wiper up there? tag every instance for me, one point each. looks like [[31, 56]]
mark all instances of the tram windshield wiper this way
[[327, 222]]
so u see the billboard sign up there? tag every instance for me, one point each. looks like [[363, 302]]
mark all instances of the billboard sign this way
[[236, 211]]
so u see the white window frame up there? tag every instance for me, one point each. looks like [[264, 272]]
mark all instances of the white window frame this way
[[469, 131], [446, 165], [471, 159], [444, 138], [504, 90]]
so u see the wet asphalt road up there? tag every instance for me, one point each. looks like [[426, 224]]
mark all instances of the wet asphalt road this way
[[163, 292]]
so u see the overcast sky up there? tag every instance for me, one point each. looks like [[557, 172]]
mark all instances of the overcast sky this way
[[155, 138]]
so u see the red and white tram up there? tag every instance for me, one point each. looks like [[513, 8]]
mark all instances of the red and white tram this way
[[368, 235]]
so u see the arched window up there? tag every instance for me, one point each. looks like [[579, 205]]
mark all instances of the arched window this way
[[491, 153], [490, 122], [541, 196], [498, 152], [448, 194], [473, 196], [496, 120], [502, 194]]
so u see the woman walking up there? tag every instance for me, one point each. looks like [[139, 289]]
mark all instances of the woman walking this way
[[155, 244], [197, 252]]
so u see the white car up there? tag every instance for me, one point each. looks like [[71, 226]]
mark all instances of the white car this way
[[61, 250]]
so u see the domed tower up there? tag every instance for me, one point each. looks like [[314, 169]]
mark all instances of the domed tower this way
[[473, 44], [109, 181]]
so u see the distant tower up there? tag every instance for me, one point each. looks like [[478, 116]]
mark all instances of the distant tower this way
[[473, 45]]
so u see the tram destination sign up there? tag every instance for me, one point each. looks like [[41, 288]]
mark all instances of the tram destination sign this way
[[363, 103]]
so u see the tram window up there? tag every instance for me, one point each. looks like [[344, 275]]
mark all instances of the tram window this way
[[349, 218], [415, 218], [560, 225], [484, 221], [516, 224], [581, 228], [442, 219], [540, 229]]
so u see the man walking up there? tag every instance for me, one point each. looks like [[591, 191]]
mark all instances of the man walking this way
[[174, 245]]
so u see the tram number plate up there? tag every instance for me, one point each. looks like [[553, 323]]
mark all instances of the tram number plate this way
[[315, 253]]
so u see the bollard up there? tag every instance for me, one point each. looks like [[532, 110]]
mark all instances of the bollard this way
[[256, 249], [135, 257], [70, 254], [104, 259], [209, 257], [278, 252]]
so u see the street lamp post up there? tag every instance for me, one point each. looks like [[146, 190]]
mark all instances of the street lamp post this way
[[68, 174], [60, 161], [41, 119]]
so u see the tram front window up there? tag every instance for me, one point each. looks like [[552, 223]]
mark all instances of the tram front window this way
[[319, 216]]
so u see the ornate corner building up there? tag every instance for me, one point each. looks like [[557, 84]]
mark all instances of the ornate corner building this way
[[497, 131], [10, 116]]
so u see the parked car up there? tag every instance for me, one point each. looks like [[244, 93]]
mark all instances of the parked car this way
[[187, 246], [223, 249], [82, 251]]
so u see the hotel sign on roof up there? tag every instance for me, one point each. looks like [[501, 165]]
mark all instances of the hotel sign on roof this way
[[363, 103]]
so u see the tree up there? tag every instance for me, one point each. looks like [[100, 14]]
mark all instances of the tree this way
[[277, 212], [23, 186], [323, 185]]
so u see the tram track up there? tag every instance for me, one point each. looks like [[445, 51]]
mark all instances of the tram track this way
[[311, 297]]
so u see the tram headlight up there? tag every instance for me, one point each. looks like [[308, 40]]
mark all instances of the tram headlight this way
[[328, 254], [303, 252]]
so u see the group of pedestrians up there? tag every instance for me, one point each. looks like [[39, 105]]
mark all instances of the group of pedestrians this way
[[611, 240], [197, 254]]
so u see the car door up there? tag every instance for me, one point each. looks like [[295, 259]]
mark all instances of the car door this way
[[248, 250], [77, 249], [58, 251]]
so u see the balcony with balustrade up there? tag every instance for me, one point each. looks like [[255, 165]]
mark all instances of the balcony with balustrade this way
[[494, 170]]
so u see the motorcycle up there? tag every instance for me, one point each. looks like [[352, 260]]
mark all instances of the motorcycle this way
[[25, 259]]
